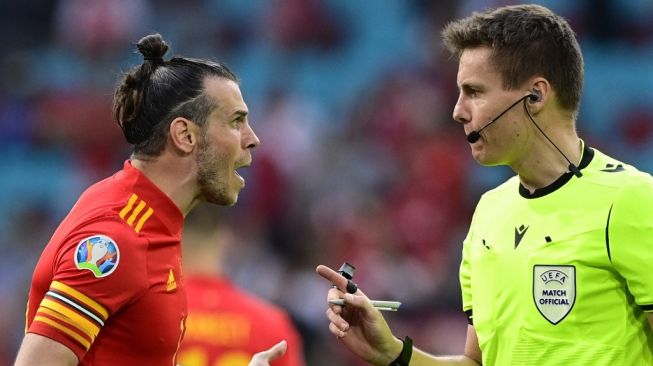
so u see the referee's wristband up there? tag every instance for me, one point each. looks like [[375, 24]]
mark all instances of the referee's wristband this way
[[406, 353]]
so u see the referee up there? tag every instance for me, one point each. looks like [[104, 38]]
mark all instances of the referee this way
[[556, 264]]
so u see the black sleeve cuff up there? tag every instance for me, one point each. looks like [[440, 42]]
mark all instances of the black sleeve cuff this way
[[470, 317], [647, 308]]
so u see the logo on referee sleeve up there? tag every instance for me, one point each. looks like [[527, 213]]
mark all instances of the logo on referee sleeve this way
[[554, 291]]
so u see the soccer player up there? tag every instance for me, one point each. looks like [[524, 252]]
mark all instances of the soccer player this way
[[556, 263], [108, 288], [226, 325]]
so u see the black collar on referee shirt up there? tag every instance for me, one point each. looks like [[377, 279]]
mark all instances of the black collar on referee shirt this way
[[588, 154]]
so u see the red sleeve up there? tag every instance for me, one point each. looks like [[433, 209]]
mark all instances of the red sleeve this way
[[295, 353], [96, 270]]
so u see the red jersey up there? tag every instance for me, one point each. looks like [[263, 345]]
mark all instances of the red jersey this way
[[226, 326], [109, 284]]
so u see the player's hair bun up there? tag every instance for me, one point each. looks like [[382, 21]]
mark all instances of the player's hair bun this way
[[152, 47], [137, 124]]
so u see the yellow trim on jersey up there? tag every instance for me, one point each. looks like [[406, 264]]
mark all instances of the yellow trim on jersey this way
[[85, 300], [135, 212], [60, 327], [143, 219], [79, 321], [91, 333], [27, 316], [182, 327], [128, 206]]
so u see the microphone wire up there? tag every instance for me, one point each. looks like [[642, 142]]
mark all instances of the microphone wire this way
[[572, 167]]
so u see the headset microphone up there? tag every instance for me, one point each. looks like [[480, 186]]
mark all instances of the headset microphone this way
[[473, 137], [476, 135]]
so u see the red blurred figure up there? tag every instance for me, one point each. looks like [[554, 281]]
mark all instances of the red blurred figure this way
[[226, 325]]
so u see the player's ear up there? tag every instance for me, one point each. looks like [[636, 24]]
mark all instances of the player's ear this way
[[184, 134]]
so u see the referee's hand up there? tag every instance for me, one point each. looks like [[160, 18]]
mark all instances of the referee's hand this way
[[358, 325], [264, 358]]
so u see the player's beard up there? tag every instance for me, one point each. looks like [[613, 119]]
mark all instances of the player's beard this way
[[213, 186]]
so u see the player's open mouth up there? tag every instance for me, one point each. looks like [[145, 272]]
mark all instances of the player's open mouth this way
[[241, 167]]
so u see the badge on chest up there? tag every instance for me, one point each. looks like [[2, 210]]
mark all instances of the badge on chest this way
[[554, 291]]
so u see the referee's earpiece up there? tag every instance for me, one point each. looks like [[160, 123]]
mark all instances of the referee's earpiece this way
[[535, 96]]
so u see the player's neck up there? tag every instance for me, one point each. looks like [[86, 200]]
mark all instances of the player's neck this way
[[174, 176]]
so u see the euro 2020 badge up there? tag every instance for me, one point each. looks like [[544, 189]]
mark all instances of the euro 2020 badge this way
[[554, 291], [99, 254]]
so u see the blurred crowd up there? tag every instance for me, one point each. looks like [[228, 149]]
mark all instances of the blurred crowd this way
[[360, 158]]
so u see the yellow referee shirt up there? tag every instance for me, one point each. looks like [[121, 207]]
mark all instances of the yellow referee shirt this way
[[564, 276]]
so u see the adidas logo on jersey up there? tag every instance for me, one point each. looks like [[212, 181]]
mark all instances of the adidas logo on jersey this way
[[172, 283]]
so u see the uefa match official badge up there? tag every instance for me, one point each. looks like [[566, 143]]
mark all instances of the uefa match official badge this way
[[98, 254], [554, 291]]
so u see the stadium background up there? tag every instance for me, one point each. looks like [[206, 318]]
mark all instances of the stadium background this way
[[360, 159]]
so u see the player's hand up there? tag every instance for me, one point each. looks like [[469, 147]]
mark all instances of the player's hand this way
[[358, 325], [264, 358]]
